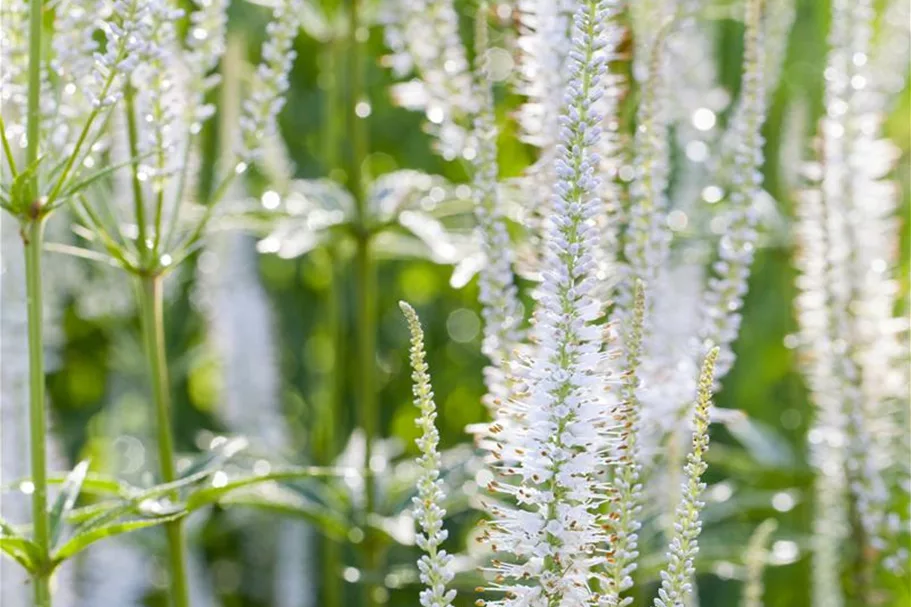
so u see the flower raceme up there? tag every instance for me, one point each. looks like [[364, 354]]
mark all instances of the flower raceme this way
[[434, 565], [550, 458]]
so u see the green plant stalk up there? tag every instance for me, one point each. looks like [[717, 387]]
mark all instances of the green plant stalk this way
[[365, 279], [365, 274], [151, 308], [327, 438], [138, 202], [33, 127], [33, 237]]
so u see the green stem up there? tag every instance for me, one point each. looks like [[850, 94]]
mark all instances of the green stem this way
[[365, 278], [327, 425], [33, 236], [138, 201], [151, 306], [33, 127]]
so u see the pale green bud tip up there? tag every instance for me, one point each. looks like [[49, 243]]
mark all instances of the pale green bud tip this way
[[411, 317]]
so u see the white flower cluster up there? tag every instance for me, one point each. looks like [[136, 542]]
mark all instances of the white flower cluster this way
[[434, 565], [563, 447], [128, 42], [270, 82], [552, 533], [853, 345]]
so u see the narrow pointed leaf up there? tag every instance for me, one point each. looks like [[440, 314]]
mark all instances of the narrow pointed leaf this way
[[69, 493], [81, 541], [21, 550]]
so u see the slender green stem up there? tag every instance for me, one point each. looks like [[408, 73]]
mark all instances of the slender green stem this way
[[138, 201], [33, 127], [33, 236], [365, 277], [328, 435], [357, 133], [151, 307]]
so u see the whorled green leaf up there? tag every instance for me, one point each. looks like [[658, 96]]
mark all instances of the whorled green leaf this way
[[81, 541], [213, 459], [284, 502], [20, 188], [93, 483], [23, 551], [205, 496], [97, 175]]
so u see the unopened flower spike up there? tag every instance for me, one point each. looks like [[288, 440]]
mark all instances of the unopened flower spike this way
[[626, 505], [434, 565], [677, 576]]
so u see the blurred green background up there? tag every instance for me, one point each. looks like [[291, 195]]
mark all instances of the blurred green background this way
[[99, 382]]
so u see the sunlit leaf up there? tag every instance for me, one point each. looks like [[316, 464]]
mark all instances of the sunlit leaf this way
[[23, 551], [81, 541], [280, 500], [66, 500], [210, 495]]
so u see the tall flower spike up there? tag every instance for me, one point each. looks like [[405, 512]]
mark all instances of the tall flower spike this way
[[206, 44], [424, 37], [827, 434], [270, 82], [552, 533], [861, 206], [726, 290], [543, 44], [159, 96], [755, 557], [647, 237], [628, 489], [676, 578], [498, 294], [434, 566]]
